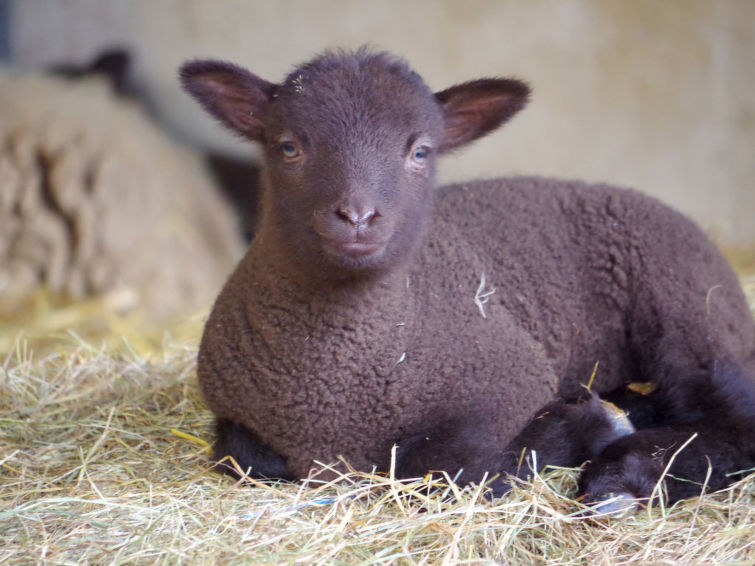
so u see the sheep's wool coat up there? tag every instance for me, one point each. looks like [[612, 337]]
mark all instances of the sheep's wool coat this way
[[519, 288]]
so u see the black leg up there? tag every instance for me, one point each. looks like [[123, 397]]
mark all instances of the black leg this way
[[564, 434], [560, 434], [716, 406], [460, 447], [632, 466], [253, 457]]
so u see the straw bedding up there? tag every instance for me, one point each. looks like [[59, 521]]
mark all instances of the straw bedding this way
[[103, 460]]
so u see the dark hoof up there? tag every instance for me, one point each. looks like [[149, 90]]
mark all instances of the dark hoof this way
[[614, 504]]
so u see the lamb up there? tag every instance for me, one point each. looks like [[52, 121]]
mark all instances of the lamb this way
[[355, 323]]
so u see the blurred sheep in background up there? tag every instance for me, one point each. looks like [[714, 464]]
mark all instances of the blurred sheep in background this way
[[96, 200]]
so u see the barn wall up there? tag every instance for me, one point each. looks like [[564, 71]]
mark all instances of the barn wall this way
[[656, 95]]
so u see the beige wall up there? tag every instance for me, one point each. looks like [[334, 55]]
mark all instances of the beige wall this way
[[653, 94]]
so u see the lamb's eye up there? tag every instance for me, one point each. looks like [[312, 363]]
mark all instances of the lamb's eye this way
[[420, 153], [289, 150]]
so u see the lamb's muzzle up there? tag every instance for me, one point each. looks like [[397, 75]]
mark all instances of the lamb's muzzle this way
[[359, 217]]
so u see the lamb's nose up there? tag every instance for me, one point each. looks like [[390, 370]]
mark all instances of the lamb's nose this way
[[356, 216]]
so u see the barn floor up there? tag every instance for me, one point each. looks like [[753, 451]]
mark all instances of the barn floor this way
[[103, 440]]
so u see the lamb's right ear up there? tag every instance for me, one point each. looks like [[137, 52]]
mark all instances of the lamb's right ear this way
[[233, 95], [476, 108]]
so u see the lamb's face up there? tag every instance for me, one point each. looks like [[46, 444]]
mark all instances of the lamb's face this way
[[350, 143], [350, 163]]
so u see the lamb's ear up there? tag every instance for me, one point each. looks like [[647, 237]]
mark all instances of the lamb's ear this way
[[476, 108], [233, 95]]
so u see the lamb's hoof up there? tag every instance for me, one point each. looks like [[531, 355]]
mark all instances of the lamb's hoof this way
[[614, 505], [620, 423]]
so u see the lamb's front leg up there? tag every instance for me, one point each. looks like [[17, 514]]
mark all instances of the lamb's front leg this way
[[564, 435], [254, 458], [560, 434], [462, 447], [705, 440], [630, 469]]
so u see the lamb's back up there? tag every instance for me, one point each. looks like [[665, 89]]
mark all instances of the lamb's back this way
[[583, 268]]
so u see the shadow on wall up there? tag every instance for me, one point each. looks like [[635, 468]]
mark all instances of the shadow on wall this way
[[4, 30]]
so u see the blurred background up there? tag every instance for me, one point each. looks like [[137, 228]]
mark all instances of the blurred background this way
[[656, 95]]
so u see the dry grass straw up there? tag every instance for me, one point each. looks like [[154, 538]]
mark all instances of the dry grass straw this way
[[103, 461]]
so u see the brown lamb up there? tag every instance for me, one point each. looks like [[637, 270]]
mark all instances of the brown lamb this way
[[355, 322]]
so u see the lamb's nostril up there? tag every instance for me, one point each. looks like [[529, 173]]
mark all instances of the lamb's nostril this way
[[356, 216]]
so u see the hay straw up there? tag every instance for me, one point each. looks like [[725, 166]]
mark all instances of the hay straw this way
[[103, 461]]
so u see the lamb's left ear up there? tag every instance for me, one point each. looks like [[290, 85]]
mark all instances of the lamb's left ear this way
[[476, 108], [233, 95]]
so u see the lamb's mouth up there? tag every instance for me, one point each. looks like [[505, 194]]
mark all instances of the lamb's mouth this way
[[353, 249]]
